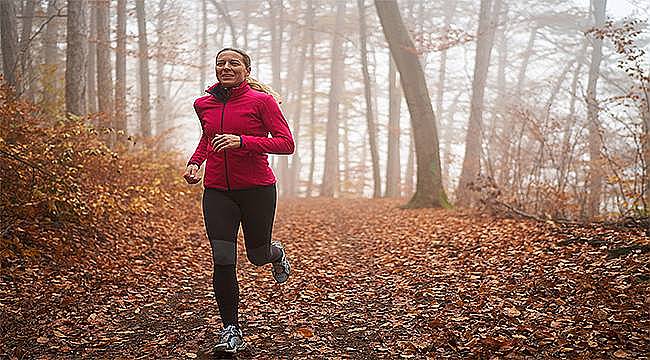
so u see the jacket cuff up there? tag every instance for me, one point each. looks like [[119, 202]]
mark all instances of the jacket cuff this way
[[241, 142]]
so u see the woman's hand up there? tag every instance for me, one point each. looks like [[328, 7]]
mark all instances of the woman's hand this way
[[226, 141], [190, 174]]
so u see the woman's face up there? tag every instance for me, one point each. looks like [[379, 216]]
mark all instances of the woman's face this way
[[230, 68]]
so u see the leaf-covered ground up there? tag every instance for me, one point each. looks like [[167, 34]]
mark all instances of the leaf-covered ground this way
[[370, 281]]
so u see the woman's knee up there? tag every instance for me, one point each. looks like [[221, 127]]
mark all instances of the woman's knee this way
[[223, 252]]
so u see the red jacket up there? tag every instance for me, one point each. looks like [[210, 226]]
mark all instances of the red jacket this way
[[252, 115]]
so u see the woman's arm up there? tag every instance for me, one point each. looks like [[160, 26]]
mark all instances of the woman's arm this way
[[201, 152], [281, 141]]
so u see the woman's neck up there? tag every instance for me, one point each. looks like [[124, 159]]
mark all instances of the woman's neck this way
[[232, 86]]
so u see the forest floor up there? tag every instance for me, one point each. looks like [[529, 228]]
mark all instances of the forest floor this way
[[369, 281]]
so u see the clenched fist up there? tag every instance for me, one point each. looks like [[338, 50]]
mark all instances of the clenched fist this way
[[191, 174]]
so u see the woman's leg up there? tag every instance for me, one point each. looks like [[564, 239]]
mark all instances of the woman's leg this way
[[222, 216], [257, 215]]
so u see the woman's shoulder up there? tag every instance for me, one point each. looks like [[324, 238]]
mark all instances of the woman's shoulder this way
[[201, 100]]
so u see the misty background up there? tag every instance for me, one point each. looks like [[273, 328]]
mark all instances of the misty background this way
[[536, 131]]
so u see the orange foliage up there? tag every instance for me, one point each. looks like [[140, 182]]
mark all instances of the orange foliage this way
[[60, 172]]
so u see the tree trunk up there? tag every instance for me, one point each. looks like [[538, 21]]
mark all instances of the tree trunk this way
[[312, 96], [567, 132], [503, 175], [245, 25], [646, 146], [595, 141], [91, 63], [393, 157], [25, 55], [120, 67], [346, 185], [370, 115], [330, 184], [277, 28], [161, 108], [50, 35], [76, 52], [451, 134], [429, 191], [361, 185], [143, 54], [204, 45], [440, 92], [223, 10], [104, 71], [50, 93], [294, 170], [9, 43], [521, 78], [485, 38], [410, 167]]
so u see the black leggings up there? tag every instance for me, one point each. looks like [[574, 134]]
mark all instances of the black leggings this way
[[223, 211]]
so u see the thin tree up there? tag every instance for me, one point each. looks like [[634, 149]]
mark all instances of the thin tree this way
[[569, 123], [312, 102], [521, 78], [409, 172], [76, 52], [595, 184], [330, 184], [143, 55], [91, 59], [446, 131], [161, 103], [429, 191], [24, 46], [120, 67], [277, 32], [393, 157], [9, 43], [370, 116], [104, 75], [485, 39], [50, 93], [223, 10], [204, 45], [645, 111], [294, 169]]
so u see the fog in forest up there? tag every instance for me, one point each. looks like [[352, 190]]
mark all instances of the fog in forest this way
[[542, 105]]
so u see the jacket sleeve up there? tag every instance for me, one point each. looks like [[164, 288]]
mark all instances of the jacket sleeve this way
[[281, 141], [201, 152]]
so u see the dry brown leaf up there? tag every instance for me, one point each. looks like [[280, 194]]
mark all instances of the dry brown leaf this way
[[305, 332], [620, 354]]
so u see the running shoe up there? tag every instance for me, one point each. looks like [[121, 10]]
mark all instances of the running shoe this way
[[281, 268], [231, 340]]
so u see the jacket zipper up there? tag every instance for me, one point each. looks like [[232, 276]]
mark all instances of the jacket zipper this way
[[225, 157]]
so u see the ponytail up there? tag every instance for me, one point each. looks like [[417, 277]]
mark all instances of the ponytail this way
[[259, 86]]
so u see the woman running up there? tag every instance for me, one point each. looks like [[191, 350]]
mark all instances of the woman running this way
[[236, 117]]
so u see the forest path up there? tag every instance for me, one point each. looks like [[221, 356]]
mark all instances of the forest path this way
[[369, 281]]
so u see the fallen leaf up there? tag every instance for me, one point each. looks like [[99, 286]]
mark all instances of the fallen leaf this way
[[512, 312], [305, 332], [620, 354]]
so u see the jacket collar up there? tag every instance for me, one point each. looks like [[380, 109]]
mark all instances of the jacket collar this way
[[224, 94]]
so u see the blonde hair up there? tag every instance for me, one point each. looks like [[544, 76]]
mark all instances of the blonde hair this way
[[260, 86]]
